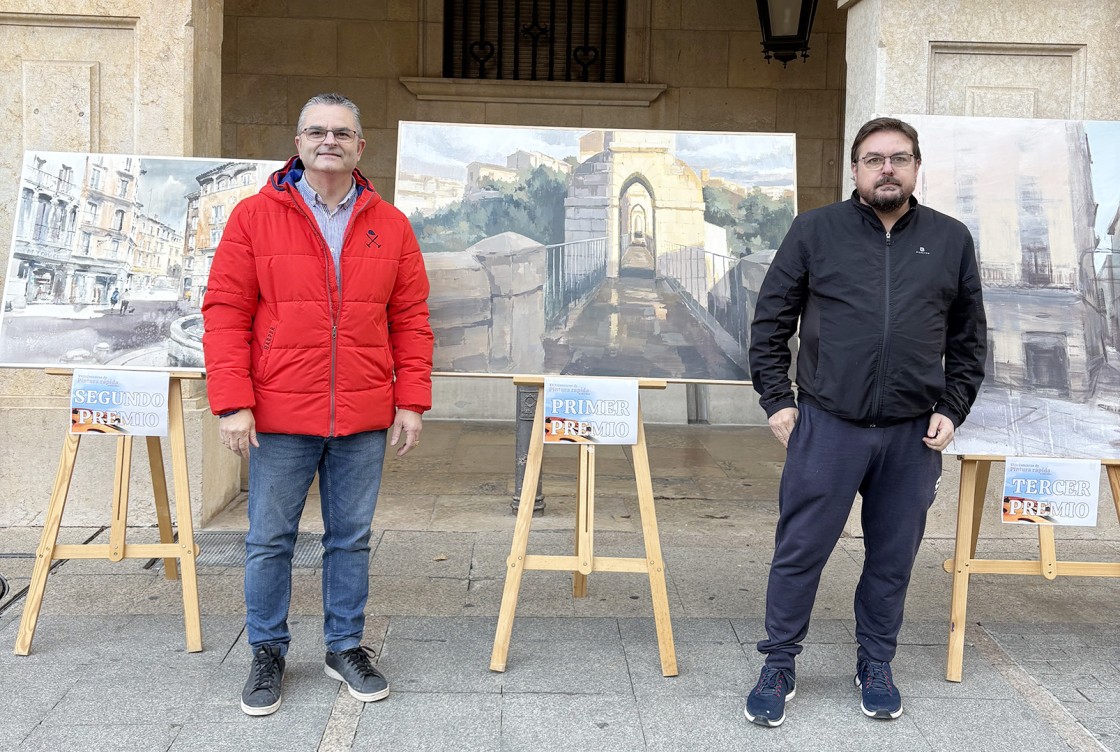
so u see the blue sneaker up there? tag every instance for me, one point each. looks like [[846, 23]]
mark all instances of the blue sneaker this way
[[880, 696], [766, 704]]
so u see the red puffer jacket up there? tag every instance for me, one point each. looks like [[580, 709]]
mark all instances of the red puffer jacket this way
[[307, 355]]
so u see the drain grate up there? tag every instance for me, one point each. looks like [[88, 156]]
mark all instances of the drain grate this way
[[227, 549]]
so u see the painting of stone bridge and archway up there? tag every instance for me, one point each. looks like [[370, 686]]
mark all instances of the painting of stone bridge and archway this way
[[594, 252]]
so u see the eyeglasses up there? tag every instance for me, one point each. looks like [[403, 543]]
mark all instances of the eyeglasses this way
[[315, 134], [876, 161]]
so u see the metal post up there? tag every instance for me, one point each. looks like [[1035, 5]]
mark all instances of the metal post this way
[[697, 397], [526, 409]]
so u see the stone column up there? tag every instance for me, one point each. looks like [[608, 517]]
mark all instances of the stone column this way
[[141, 77], [1002, 58]]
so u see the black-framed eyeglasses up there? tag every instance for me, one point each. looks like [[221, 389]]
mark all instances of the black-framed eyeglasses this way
[[316, 134], [876, 161]]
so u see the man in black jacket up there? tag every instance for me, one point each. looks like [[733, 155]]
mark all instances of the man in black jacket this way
[[885, 295]]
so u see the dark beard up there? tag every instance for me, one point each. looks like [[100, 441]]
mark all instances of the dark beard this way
[[885, 204]]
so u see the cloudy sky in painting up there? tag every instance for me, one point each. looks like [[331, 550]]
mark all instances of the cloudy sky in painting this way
[[168, 181], [165, 185], [445, 150], [1104, 145], [162, 188]]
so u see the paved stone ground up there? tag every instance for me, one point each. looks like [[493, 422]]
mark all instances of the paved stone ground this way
[[109, 671]]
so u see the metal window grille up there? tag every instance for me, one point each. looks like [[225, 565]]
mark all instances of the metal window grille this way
[[534, 40]]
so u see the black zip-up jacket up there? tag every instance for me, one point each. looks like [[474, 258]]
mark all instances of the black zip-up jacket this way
[[892, 324]]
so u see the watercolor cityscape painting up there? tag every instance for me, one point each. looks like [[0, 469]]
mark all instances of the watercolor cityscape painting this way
[[594, 252], [1042, 200], [110, 257]]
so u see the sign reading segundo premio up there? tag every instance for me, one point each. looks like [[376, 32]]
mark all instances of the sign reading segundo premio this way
[[119, 403], [591, 410]]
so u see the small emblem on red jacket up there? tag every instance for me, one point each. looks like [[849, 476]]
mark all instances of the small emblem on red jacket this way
[[372, 239]]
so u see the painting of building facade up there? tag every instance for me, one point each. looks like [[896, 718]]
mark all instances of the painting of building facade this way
[[1042, 200], [110, 256], [594, 252]]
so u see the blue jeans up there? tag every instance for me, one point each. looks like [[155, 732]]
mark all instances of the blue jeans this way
[[280, 473]]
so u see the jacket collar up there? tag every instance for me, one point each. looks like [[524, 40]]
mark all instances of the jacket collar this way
[[870, 216], [283, 183]]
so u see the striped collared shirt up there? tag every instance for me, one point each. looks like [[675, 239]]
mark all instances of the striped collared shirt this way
[[331, 224]]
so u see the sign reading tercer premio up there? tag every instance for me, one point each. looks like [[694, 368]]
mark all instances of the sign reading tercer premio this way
[[589, 410], [1050, 491], [119, 403]]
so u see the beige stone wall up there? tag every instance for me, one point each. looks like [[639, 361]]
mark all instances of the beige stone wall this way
[[1011, 58], [131, 76], [706, 54], [703, 60]]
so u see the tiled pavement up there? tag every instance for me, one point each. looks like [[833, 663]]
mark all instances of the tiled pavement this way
[[109, 670]]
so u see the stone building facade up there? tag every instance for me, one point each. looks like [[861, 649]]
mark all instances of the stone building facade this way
[[227, 79]]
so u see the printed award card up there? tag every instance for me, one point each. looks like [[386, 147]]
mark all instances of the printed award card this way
[[1050, 491], [119, 403], [590, 410]]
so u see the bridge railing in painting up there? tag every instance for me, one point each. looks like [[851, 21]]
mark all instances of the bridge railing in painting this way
[[711, 285], [575, 271]]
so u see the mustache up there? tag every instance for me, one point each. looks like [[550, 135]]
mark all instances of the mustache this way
[[887, 180]]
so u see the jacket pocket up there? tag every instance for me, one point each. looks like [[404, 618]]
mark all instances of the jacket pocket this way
[[266, 351]]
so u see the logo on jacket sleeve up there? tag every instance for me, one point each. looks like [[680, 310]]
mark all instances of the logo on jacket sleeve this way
[[373, 239]]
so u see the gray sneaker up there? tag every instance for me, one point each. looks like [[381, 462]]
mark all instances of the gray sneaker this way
[[261, 695], [354, 667]]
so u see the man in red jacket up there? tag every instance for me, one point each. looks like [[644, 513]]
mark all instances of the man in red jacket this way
[[318, 348]]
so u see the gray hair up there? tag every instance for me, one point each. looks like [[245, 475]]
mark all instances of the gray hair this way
[[335, 100]]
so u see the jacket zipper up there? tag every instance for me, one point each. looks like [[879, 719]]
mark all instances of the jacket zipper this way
[[881, 371], [330, 304], [336, 316]]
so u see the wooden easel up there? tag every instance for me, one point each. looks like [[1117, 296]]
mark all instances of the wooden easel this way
[[584, 562], [973, 488], [174, 554]]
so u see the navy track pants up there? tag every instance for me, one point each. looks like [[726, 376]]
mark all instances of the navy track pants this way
[[828, 460]]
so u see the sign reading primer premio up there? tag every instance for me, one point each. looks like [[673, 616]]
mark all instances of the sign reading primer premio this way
[[591, 410], [119, 403], [1049, 491]]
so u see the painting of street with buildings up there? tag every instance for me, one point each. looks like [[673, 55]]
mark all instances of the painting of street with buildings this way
[[594, 252], [1042, 200], [110, 257]]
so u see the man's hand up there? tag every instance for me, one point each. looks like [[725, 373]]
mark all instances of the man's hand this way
[[782, 423], [411, 423], [940, 432], [238, 431]]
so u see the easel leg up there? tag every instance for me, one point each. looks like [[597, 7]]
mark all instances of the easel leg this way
[[971, 496], [585, 521], [1114, 482], [1047, 553], [119, 525], [191, 617], [657, 588], [44, 555], [981, 486], [163, 508], [515, 564]]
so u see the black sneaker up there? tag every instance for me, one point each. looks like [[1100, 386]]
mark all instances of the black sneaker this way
[[880, 696], [766, 704], [261, 695], [354, 667]]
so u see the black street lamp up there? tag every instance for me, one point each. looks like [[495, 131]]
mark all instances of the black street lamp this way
[[786, 25]]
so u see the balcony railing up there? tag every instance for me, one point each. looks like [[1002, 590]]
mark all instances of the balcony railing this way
[[535, 40]]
